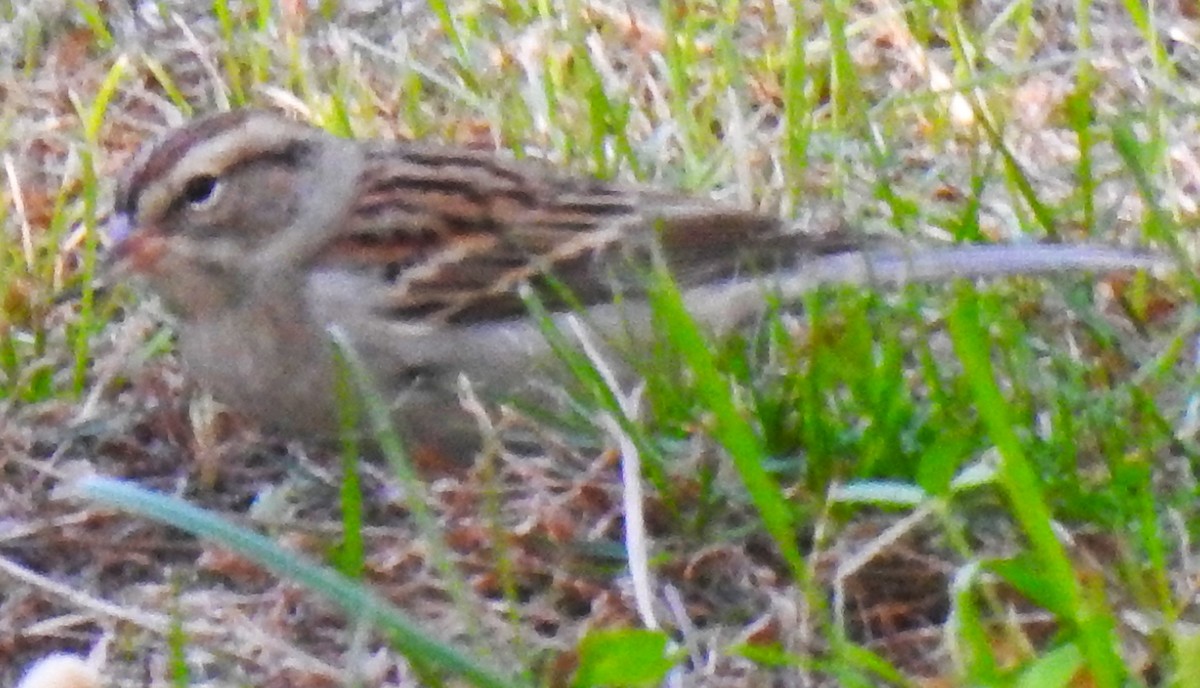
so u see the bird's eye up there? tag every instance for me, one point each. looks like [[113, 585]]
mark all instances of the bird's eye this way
[[200, 190]]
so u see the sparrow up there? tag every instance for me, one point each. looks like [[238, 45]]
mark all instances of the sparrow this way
[[261, 234]]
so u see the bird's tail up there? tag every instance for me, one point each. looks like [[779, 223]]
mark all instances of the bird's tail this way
[[726, 304]]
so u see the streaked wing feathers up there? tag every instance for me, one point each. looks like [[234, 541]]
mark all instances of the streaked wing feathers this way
[[451, 234]]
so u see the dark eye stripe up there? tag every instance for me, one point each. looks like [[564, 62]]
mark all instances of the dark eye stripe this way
[[200, 189], [290, 157], [169, 152], [158, 160]]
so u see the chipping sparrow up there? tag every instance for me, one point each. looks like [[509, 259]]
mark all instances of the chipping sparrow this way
[[260, 233]]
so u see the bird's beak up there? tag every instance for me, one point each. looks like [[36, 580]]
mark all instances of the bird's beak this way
[[134, 249], [118, 228]]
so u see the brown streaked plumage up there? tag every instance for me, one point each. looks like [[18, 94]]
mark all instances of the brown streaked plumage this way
[[260, 234]]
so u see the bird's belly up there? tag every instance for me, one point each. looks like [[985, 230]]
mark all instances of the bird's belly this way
[[273, 370]]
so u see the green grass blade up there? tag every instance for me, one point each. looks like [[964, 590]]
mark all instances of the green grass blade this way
[[1027, 498], [355, 600]]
